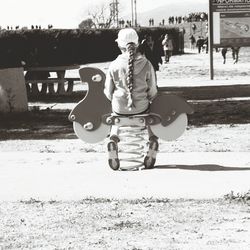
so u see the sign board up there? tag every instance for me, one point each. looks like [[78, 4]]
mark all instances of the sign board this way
[[230, 22]]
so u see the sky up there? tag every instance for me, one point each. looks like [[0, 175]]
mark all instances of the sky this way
[[63, 13]]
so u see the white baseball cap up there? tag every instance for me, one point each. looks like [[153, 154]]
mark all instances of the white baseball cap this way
[[127, 35]]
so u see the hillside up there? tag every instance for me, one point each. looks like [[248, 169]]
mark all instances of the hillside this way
[[175, 9], [171, 9]]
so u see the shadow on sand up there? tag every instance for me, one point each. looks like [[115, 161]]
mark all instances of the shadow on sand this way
[[205, 167]]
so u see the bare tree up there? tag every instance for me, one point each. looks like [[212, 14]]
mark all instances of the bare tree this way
[[101, 16]]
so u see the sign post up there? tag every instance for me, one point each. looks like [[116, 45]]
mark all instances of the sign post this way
[[210, 42]]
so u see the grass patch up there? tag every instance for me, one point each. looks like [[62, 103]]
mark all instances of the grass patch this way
[[238, 197]]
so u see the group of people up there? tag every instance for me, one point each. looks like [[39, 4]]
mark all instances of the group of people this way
[[197, 17], [192, 17], [154, 49], [176, 19], [201, 43], [50, 26]]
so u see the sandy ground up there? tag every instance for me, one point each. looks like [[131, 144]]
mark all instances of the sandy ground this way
[[193, 69], [206, 162], [61, 194]]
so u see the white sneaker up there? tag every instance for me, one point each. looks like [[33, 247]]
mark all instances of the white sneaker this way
[[114, 162]]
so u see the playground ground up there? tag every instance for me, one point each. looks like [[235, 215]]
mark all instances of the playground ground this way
[[59, 193]]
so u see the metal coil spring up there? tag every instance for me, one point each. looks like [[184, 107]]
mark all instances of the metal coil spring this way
[[132, 147]]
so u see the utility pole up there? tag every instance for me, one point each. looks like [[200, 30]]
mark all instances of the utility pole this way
[[211, 40], [135, 13], [115, 12], [132, 12]]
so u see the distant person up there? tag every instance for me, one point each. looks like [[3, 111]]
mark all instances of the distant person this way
[[205, 44], [235, 54], [224, 54], [167, 44], [158, 51], [149, 48], [192, 42], [194, 28], [150, 22], [199, 43]]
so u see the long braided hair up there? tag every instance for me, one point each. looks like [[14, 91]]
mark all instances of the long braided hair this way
[[131, 48]]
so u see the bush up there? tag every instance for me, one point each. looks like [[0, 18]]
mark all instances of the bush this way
[[66, 47]]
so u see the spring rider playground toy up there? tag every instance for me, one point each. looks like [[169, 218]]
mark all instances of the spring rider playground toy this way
[[92, 119]]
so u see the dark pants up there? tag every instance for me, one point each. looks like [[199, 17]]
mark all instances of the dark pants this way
[[167, 54]]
